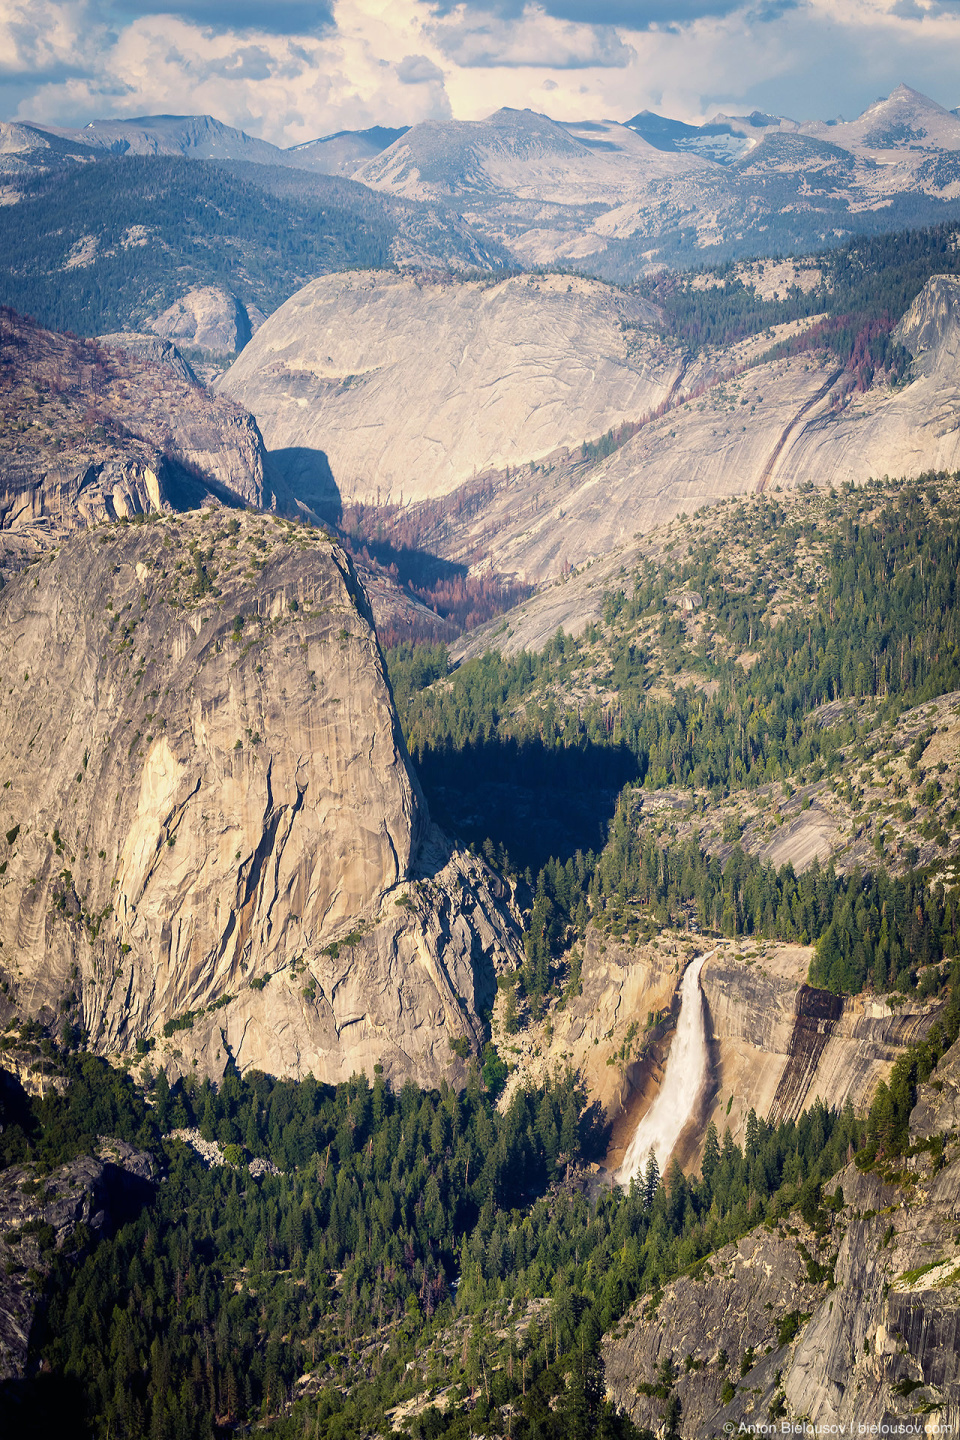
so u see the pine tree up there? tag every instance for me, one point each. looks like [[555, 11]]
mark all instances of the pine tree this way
[[711, 1155], [651, 1180]]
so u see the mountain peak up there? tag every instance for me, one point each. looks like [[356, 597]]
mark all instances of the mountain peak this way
[[905, 95]]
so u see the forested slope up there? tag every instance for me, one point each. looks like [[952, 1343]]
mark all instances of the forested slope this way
[[398, 1245], [156, 227], [756, 648]]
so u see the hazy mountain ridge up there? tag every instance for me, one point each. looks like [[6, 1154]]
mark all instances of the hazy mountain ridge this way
[[114, 244], [616, 200], [665, 203]]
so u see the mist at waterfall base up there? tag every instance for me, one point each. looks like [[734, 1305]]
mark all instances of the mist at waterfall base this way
[[683, 1082]]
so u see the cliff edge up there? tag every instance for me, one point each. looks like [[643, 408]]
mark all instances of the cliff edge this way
[[212, 842]]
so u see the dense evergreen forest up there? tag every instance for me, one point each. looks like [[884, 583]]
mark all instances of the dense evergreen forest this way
[[867, 615], [159, 226], [863, 289], [399, 1239]]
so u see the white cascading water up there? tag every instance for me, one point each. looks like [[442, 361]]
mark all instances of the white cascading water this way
[[683, 1082]]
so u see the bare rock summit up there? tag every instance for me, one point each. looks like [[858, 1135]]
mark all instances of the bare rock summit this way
[[409, 387], [208, 317]]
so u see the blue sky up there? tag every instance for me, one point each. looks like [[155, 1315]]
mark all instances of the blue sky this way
[[292, 70]]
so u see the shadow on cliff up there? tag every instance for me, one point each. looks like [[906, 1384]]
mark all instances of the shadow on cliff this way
[[534, 800], [309, 478]]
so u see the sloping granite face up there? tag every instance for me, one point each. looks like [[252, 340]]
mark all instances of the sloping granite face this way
[[383, 389], [877, 1348], [208, 317], [209, 820], [409, 387]]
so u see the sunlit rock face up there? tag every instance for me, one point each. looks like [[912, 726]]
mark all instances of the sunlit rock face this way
[[209, 817], [856, 1342], [409, 387]]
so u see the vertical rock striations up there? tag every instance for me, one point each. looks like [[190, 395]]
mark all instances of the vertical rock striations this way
[[852, 1327], [209, 821]]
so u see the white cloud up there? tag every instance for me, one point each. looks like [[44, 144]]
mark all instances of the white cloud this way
[[470, 38], [285, 89], [400, 61], [39, 37]]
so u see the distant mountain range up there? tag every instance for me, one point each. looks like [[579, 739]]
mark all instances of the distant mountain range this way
[[516, 189]]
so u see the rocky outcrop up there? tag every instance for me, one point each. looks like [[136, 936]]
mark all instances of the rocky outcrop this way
[[213, 839], [932, 324], [150, 347], [735, 1307], [885, 1349], [408, 387], [69, 496], [876, 1345], [210, 318], [608, 1029], [91, 432], [62, 1213]]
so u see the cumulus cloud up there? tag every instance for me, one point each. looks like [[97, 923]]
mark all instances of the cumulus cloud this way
[[473, 38], [292, 71], [417, 70], [43, 37]]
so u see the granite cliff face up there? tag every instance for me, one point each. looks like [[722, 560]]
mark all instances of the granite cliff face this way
[[469, 403], [94, 431], [210, 318], [151, 347], [409, 387], [783, 422], [213, 838], [775, 1044], [870, 1339], [780, 1045]]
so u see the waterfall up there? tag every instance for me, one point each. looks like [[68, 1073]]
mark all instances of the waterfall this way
[[683, 1082]]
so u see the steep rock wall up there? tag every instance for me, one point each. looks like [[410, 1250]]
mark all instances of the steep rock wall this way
[[779, 1045], [877, 1347], [81, 1202], [602, 1029], [208, 811]]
